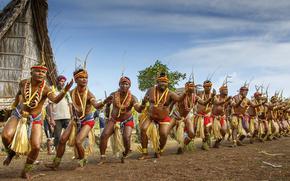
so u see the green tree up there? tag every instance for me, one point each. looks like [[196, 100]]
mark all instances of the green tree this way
[[147, 77]]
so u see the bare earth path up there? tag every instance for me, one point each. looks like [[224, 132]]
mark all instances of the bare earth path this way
[[225, 163]]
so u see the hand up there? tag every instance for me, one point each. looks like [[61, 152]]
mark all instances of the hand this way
[[213, 92], [52, 128], [6, 110], [68, 85], [108, 99], [52, 122], [104, 102], [143, 102], [229, 98]]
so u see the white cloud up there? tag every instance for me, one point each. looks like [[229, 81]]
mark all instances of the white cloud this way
[[244, 54], [268, 19], [265, 62], [247, 38]]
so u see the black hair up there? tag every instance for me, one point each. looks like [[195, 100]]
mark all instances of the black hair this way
[[206, 82], [78, 70], [162, 74]]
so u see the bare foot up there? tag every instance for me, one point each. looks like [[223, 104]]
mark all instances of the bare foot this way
[[79, 168], [234, 144], [7, 161], [157, 155], [216, 145], [51, 166], [28, 176], [123, 159], [51, 153], [144, 157], [37, 162], [102, 161], [239, 143], [180, 150]]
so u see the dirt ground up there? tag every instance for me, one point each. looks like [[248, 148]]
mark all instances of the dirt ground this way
[[225, 163]]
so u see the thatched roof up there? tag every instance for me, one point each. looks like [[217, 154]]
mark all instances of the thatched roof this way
[[39, 10]]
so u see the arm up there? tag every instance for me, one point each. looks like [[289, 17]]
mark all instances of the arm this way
[[50, 115], [69, 101], [177, 98], [109, 101], [254, 105], [17, 97], [146, 97], [55, 99], [217, 102], [201, 101], [204, 103], [16, 101], [99, 105], [237, 104], [278, 107], [138, 107]]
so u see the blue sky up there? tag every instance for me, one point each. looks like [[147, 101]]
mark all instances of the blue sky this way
[[246, 39]]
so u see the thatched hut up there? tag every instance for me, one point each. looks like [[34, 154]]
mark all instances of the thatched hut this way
[[23, 37]]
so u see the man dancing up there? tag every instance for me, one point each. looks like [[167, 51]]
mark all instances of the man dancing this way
[[28, 105], [83, 101], [240, 104], [159, 98], [220, 104], [182, 118], [203, 118], [120, 120]]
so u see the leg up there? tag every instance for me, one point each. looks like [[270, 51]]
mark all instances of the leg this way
[[163, 132], [256, 131], [235, 136], [144, 138], [105, 135], [48, 133], [190, 131], [234, 125], [207, 123], [206, 140], [60, 148], [127, 141], [107, 132], [7, 137], [80, 139], [172, 124], [224, 129], [57, 132], [62, 142], [188, 140], [35, 141], [219, 130]]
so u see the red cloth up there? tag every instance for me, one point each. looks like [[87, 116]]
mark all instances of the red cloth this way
[[206, 119], [166, 120], [222, 121], [90, 123], [61, 77], [128, 123], [38, 121]]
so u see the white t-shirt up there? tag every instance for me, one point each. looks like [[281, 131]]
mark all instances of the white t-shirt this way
[[61, 109]]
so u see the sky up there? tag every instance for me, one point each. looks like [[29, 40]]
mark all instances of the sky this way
[[249, 40]]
